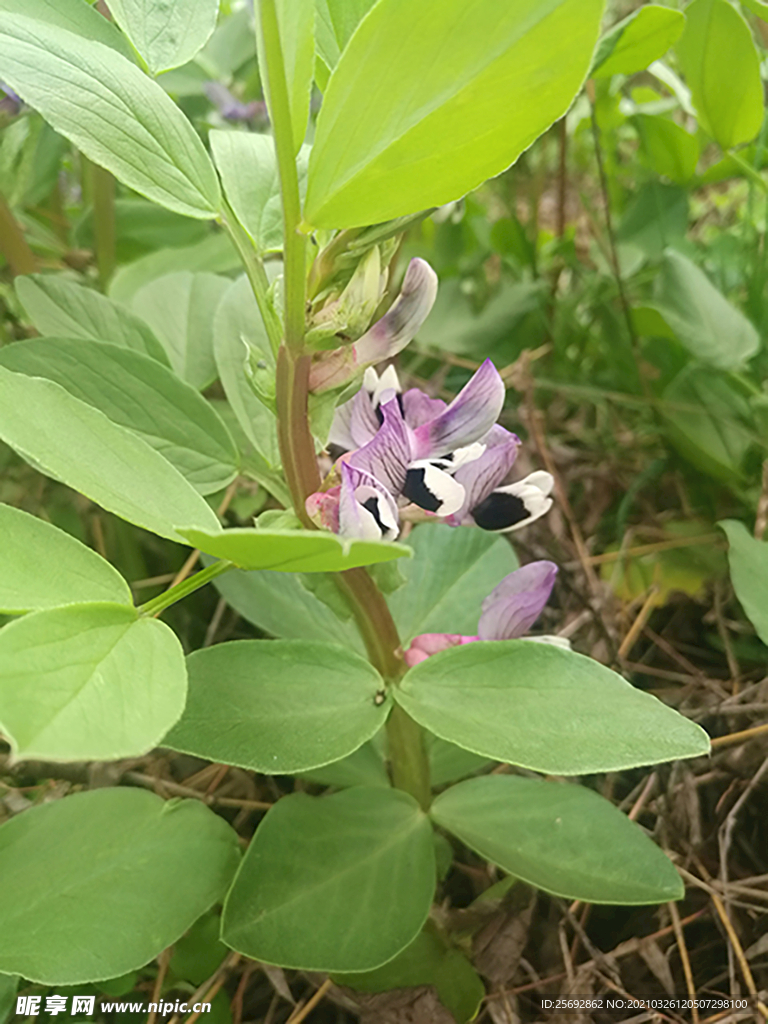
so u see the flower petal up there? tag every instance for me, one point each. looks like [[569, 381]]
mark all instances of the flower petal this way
[[513, 606], [470, 415], [399, 325], [366, 510], [431, 488], [480, 476], [424, 646], [387, 456], [515, 505], [419, 408]]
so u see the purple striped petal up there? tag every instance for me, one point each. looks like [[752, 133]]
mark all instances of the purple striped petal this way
[[419, 408], [513, 606], [387, 456], [400, 324], [470, 415]]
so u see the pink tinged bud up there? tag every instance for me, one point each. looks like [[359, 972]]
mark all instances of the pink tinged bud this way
[[401, 323], [323, 509], [424, 646], [386, 338], [513, 606], [332, 369]]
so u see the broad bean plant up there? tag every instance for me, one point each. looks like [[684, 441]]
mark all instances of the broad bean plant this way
[[403, 665]]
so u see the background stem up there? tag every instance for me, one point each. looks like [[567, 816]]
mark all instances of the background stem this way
[[13, 244], [103, 198], [257, 275]]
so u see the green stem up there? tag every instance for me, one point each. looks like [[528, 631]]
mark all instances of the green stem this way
[[254, 268], [749, 171], [183, 589], [410, 768], [297, 448], [103, 198], [13, 244], [408, 756], [294, 245], [374, 620]]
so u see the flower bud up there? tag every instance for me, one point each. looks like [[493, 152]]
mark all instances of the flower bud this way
[[386, 338]]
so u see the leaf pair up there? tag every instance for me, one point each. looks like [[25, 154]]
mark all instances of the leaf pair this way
[[373, 849], [422, 101]]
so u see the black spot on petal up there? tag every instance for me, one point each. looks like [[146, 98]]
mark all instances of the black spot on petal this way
[[416, 490], [372, 505], [499, 511]]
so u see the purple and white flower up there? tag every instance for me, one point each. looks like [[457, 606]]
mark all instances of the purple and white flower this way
[[507, 613], [432, 459]]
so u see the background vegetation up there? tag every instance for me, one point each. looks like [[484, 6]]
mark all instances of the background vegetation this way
[[617, 275]]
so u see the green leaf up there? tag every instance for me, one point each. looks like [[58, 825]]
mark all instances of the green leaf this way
[[79, 446], [427, 961], [44, 567], [166, 35], [455, 326], [722, 68], [137, 393], [216, 255], [279, 603], [278, 706], [142, 227], [239, 335], [111, 111], [637, 41], [748, 562], [364, 767], [296, 23], [543, 708], [757, 7], [180, 309], [89, 682], [656, 216], [9, 984], [708, 421], [62, 309], [449, 763], [338, 883], [292, 550], [198, 953], [424, 103], [335, 21], [560, 837], [669, 148], [702, 318], [451, 574], [77, 16], [248, 167], [157, 867]]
